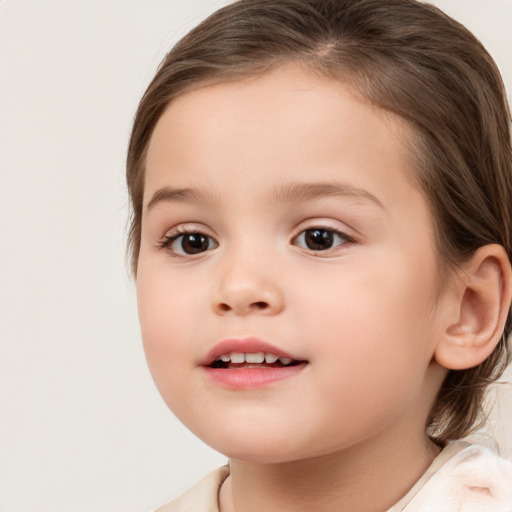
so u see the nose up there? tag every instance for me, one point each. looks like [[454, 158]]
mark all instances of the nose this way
[[246, 288]]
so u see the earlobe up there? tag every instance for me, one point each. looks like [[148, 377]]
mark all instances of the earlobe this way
[[483, 301]]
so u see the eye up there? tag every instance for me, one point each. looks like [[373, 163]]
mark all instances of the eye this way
[[189, 243], [320, 239]]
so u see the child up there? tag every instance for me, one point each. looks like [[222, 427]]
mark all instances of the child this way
[[321, 239]]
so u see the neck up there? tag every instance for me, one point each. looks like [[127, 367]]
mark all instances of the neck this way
[[369, 477]]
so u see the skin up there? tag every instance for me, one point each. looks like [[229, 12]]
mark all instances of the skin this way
[[366, 313]]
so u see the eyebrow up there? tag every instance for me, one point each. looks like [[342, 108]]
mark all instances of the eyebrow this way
[[302, 192], [179, 195], [289, 193]]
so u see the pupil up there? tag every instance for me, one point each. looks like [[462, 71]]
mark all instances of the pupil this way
[[194, 243], [318, 239]]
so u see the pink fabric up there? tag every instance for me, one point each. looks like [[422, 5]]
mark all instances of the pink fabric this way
[[473, 480]]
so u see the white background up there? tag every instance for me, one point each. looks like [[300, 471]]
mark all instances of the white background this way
[[82, 427]]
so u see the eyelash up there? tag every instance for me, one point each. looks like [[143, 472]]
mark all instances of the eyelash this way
[[347, 239], [168, 240]]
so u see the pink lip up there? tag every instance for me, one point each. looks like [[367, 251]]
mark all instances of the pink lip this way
[[250, 376], [245, 345]]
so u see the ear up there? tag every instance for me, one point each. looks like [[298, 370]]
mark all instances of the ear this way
[[482, 296]]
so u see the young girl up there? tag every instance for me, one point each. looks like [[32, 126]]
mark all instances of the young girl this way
[[321, 239]]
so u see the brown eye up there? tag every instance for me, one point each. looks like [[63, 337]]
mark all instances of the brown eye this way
[[320, 239], [191, 243]]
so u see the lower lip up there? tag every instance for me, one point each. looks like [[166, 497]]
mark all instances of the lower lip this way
[[251, 377]]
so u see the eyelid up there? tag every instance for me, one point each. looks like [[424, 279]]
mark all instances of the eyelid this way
[[327, 224]]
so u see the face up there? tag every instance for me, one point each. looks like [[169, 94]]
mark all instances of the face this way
[[287, 277]]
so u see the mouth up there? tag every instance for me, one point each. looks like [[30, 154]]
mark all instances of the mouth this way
[[249, 363], [252, 360]]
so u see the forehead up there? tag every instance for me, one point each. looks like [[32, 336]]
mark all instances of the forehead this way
[[287, 123]]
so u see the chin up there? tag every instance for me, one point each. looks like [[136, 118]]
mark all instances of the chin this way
[[259, 435], [258, 447]]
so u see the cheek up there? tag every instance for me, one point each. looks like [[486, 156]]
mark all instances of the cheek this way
[[372, 356], [376, 322], [165, 304], [163, 318]]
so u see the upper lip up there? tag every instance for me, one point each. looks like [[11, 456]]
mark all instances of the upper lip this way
[[243, 345]]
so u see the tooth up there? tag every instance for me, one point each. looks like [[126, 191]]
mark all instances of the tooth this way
[[285, 360], [257, 357], [224, 358], [270, 358], [237, 357]]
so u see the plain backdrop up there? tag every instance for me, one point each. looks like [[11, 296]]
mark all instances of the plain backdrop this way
[[82, 426]]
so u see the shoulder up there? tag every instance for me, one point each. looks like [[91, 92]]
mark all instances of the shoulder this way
[[474, 479], [202, 497]]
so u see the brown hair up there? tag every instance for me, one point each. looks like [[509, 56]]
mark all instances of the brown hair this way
[[402, 56]]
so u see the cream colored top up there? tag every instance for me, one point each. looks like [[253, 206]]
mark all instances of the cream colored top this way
[[462, 478]]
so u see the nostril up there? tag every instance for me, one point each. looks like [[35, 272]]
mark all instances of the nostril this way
[[260, 305], [243, 307]]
